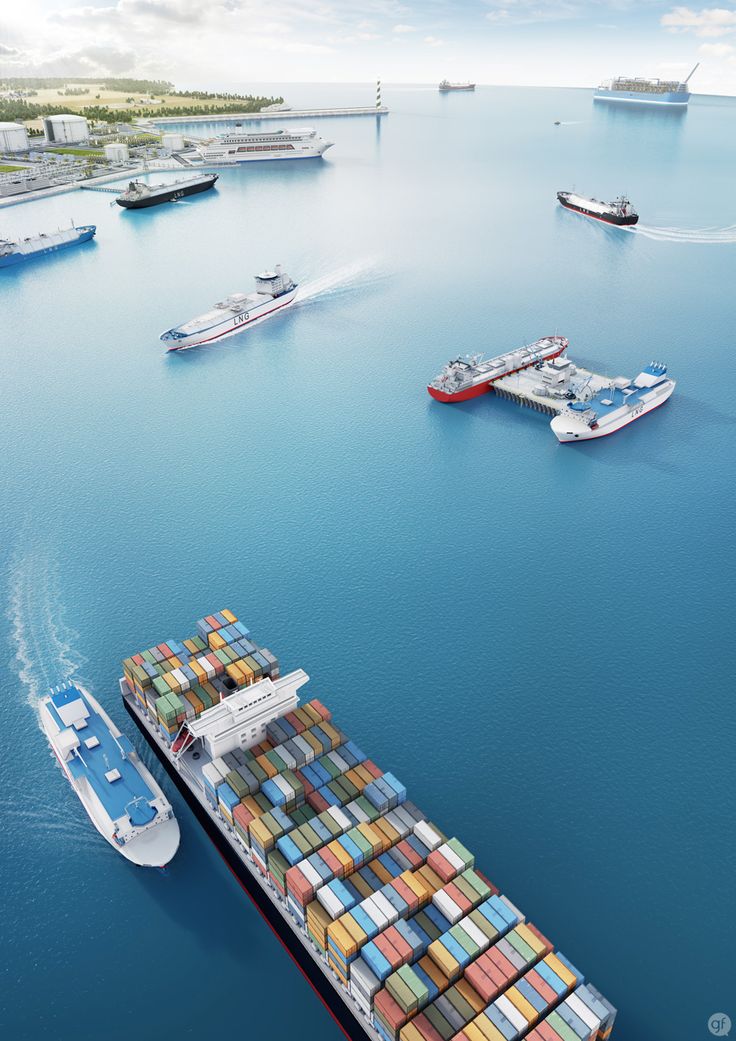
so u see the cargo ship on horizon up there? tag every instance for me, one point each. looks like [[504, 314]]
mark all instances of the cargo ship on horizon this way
[[446, 87], [118, 792], [469, 377], [398, 931], [674, 93]]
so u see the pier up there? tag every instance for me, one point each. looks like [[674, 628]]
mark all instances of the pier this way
[[243, 117], [547, 389]]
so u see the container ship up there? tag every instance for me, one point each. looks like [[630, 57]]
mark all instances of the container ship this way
[[274, 291], [46, 242], [138, 195], [614, 405], [445, 86], [119, 793], [643, 91], [240, 146], [396, 927], [619, 212], [466, 378]]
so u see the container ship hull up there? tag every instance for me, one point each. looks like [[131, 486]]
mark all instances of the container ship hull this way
[[316, 974], [606, 218], [168, 195]]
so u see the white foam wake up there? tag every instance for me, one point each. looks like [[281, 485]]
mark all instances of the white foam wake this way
[[357, 273], [697, 236], [45, 653]]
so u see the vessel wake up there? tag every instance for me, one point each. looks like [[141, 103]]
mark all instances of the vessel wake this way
[[359, 273], [697, 236], [44, 645]]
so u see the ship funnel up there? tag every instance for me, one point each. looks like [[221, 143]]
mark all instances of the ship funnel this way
[[694, 68]]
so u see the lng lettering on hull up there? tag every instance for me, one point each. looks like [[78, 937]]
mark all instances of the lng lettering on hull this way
[[614, 406], [118, 792], [469, 377], [240, 146], [274, 291]]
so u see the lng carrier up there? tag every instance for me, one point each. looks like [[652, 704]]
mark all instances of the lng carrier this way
[[397, 930], [47, 242], [673, 93], [139, 195]]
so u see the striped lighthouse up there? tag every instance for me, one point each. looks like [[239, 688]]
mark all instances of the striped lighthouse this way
[[378, 95]]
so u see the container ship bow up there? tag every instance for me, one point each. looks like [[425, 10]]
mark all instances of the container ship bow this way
[[397, 929]]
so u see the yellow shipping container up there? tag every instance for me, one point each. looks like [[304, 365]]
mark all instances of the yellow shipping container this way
[[471, 1031], [410, 1033], [381, 873], [342, 855], [248, 675], [351, 926], [562, 971], [235, 673], [261, 833], [525, 1007], [266, 765], [229, 615], [341, 938], [442, 957], [430, 877], [528, 937], [198, 672], [488, 1031], [370, 835], [216, 641]]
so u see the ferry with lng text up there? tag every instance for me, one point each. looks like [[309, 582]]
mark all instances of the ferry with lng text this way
[[239, 146], [140, 195], [47, 242], [274, 292], [647, 92], [119, 793], [618, 402], [469, 377]]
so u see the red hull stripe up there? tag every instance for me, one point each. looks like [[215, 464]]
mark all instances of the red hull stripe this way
[[228, 331]]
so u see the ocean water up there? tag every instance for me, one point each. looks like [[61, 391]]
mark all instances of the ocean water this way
[[536, 638]]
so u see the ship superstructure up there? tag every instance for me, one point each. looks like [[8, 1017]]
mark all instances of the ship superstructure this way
[[239, 146], [645, 91], [274, 291], [119, 793], [619, 212], [400, 933], [471, 376], [15, 252]]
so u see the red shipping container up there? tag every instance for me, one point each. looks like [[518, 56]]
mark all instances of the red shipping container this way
[[409, 852], [399, 944], [460, 899], [317, 801], [331, 861], [426, 1029], [319, 707], [546, 1032], [372, 769], [211, 620], [389, 1009], [510, 972], [295, 722], [542, 988], [481, 982], [389, 952], [299, 886], [441, 866], [406, 893]]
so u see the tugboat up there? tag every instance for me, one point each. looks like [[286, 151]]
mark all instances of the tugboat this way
[[47, 242], [446, 86], [274, 291], [619, 212], [139, 195]]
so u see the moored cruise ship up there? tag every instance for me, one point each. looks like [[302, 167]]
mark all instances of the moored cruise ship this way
[[274, 291], [644, 91], [117, 790], [466, 378], [240, 146]]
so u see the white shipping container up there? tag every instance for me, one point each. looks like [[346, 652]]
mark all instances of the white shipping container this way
[[383, 904], [581, 1009], [447, 906], [508, 1009], [305, 747], [340, 818], [475, 934], [426, 834], [451, 857], [311, 874], [331, 903]]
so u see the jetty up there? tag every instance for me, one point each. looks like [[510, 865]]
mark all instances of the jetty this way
[[548, 388], [243, 117]]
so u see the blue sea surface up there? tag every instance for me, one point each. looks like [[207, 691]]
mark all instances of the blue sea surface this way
[[536, 638]]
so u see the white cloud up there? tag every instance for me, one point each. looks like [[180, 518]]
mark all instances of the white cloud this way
[[433, 41], [527, 12], [711, 21], [404, 29], [716, 50]]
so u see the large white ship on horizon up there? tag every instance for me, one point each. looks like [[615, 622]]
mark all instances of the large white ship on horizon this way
[[240, 146]]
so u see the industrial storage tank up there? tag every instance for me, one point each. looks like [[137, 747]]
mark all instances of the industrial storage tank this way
[[66, 130], [13, 137], [117, 153], [174, 142]]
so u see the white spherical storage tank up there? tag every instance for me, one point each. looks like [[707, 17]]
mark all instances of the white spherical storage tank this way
[[117, 153], [13, 137], [174, 142], [66, 130]]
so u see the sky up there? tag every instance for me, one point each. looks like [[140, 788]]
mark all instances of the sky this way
[[234, 44]]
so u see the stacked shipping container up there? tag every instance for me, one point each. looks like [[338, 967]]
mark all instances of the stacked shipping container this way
[[425, 945]]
